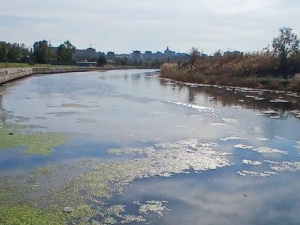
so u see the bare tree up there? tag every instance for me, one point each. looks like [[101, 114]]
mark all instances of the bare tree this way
[[285, 45]]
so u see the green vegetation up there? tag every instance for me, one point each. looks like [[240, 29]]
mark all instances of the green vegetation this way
[[13, 65], [21, 215], [34, 143], [42, 53], [43, 194], [14, 53], [102, 60], [65, 53], [265, 69]]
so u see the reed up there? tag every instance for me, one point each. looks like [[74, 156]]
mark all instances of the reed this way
[[253, 70]]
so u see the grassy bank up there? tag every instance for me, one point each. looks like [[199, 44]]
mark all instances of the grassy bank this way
[[20, 65]]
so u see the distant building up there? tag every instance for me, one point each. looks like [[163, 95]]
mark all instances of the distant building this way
[[89, 54], [110, 56], [123, 56], [169, 55], [158, 56], [136, 56], [147, 56]]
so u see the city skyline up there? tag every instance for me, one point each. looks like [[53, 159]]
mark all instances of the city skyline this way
[[149, 26]]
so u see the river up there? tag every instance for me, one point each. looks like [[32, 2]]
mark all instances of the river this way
[[139, 149]]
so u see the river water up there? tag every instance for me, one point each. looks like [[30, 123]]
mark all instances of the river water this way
[[188, 154]]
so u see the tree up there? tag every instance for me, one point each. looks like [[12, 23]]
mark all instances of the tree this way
[[102, 60], [285, 45], [42, 51], [65, 53], [194, 57], [3, 52], [14, 53]]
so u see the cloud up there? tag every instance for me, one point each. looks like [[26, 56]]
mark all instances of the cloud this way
[[150, 25]]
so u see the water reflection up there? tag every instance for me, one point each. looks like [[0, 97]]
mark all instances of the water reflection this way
[[239, 97], [161, 123], [3, 115], [223, 199]]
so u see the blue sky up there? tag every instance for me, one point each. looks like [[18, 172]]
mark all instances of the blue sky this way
[[123, 26]]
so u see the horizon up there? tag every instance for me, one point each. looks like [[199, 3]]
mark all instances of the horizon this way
[[233, 25]]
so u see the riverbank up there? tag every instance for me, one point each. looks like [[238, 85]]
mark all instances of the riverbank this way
[[172, 71], [9, 74]]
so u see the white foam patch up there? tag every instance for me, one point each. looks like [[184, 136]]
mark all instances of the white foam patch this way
[[279, 101], [261, 149], [275, 117], [256, 174], [232, 138], [217, 124], [250, 162], [241, 146], [229, 120], [269, 150], [254, 97], [269, 112], [284, 166], [175, 158], [262, 139], [237, 106], [195, 107], [152, 207]]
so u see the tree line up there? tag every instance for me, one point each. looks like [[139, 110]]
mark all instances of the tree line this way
[[41, 53]]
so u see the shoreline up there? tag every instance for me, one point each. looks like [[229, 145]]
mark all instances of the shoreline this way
[[254, 82], [11, 74], [191, 84]]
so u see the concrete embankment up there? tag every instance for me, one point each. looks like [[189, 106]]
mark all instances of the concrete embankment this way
[[9, 74]]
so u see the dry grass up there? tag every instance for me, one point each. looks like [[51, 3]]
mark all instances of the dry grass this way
[[294, 85], [255, 70], [237, 65]]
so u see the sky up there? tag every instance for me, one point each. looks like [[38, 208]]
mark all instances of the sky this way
[[126, 25]]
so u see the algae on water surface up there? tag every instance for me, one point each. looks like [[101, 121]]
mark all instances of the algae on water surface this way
[[19, 215], [11, 136]]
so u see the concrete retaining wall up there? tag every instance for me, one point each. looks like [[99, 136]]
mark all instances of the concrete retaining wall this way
[[9, 74]]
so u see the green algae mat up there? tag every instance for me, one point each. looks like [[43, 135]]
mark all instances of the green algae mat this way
[[11, 136]]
